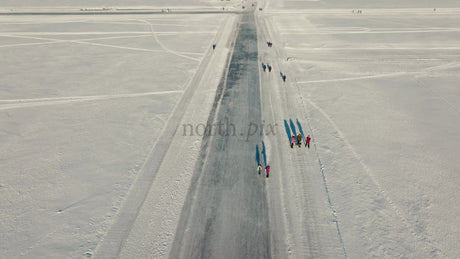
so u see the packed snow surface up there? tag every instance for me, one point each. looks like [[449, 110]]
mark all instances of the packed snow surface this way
[[96, 159]]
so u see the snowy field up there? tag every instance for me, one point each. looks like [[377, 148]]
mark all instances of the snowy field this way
[[90, 165], [104, 3], [380, 91], [83, 100]]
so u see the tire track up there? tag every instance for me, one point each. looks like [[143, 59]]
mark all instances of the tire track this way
[[226, 214]]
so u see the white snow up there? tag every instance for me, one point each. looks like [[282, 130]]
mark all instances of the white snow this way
[[379, 91], [84, 100]]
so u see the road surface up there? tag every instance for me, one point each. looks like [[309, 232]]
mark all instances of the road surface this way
[[226, 212]]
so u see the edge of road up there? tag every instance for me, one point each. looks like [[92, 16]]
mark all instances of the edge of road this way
[[305, 225], [124, 237], [211, 224]]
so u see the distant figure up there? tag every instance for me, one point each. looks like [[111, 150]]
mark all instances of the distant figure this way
[[259, 168], [307, 141], [267, 170], [292, 141], [269, 68], [213, 46], [284, 78]]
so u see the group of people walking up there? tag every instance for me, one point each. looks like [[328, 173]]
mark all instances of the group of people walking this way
[[267, 169], [265, 66], [269, 67], [298, 140]]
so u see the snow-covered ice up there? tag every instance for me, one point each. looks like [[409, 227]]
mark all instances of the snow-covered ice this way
[[83, 100], [86, 102], [380, 91]]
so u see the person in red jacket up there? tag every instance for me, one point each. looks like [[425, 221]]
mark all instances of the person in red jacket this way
[[292, 141], [307, 141], [267, 170]]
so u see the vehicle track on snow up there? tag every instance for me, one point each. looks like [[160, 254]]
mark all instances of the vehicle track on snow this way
[[226, 213], [114, 241]]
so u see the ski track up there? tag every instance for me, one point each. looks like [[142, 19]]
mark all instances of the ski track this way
[[87, 41], [356, 155], [26, 103], [390, 31], [55, 41], [369, 173], [357, 78], [82, 41], [395, 74], [313, 49], [163, 46], [367, 11]]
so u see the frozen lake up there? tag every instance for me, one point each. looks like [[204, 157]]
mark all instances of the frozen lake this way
[[89, 105], [380, 90], [82, 101]]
